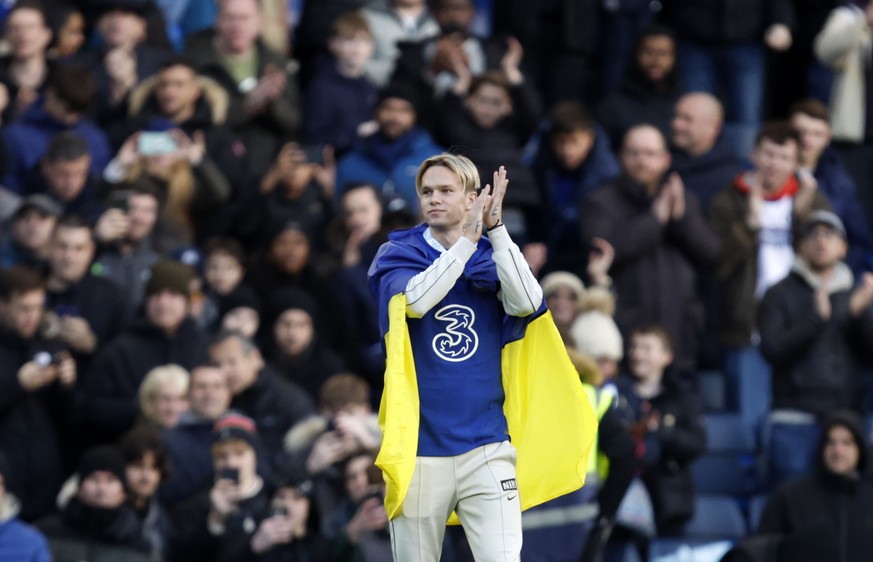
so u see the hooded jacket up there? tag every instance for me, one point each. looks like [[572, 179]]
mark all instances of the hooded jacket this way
[[825, 516]]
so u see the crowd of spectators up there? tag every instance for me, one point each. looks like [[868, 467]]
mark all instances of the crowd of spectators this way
[[192, 191]]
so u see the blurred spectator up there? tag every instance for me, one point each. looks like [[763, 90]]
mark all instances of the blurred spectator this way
[[824, 515], [96, 523], [219, 524], [650, 88], [354, 238], [620, 23], [667, 425], [796, 73], [345, 425], [190, 183], [295, 348], [69, 91], [559, 37], [264, 97], [389, 157], [23, 71], [701, 155], [595, 334], [189, 441], [843, 45], [340, 99], [563, 291], [67, 24], [754, 216], [298, 188], [817, 156], [430, 65], [241, 312], [573, 159], [18, 541], [291, 261], [185, 17], [258, 390], [124, 232], [64, 174], [30, 232], [122, 58], [721, 49], [164, 335], [146, 466], [223, 272], [401, 20], [177, 94], [816, 331], [359, 523], [493, 116], [163, 396], [660, 238], [36, 394], [293, 530]]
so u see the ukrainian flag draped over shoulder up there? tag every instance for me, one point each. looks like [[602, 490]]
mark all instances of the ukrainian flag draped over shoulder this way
[[550, 420]]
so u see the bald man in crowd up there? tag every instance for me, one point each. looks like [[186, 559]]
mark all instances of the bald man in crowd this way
[[701, 156]]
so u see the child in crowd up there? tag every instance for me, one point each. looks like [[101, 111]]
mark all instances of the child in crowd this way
[[224, 290], [667, 425], [340, 99]]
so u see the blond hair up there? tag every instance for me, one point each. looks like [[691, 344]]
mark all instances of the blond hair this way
[[462, 166], [156, 379]]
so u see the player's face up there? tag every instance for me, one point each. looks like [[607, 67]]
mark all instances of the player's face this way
[[444, 204]]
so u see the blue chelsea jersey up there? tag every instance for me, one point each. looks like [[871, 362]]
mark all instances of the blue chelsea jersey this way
[[456, 348]]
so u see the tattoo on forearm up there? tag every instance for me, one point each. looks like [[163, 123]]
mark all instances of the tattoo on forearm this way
[[494, 211]]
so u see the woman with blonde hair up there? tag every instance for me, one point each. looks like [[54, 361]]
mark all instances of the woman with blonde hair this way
[[190, 183], [163, 395]]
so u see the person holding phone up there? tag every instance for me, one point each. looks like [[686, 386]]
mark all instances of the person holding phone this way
[[218, 524]]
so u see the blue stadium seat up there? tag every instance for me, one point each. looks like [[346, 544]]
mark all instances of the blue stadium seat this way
[[728, 432], [688, 550], [756, 508], [716, 517], [728, 473], [712, 390]]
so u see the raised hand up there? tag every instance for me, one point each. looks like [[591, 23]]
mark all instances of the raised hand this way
[[494, 210], [472, 227]]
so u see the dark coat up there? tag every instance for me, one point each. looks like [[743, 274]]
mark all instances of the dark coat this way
[[86, 205], [310, 368], [637, 101], [189, 447], [816, 362], [564, 193], [195, 542], [669, 451], [28, 137], [716, 22], [655, 265], [275, 405], [737, 268], [823, 516], [335, 105], [261, 134], [110, 389], [707, 174], [81, 532], [498, 146], [29, 423]]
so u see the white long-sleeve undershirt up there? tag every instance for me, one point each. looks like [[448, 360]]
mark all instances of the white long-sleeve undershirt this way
[[519, 292]]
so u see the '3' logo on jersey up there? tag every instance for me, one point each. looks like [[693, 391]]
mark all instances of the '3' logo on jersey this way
[[459, 341]]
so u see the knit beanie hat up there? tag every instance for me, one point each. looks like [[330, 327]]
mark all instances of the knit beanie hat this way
[[596, 334], [288, 298], [553, 281], [235, 426], [106, 458], [169, 275]]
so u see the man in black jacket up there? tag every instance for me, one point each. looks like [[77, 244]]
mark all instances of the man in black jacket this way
[[165, 335], [815, 331], [36, 381], [258, 391]]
